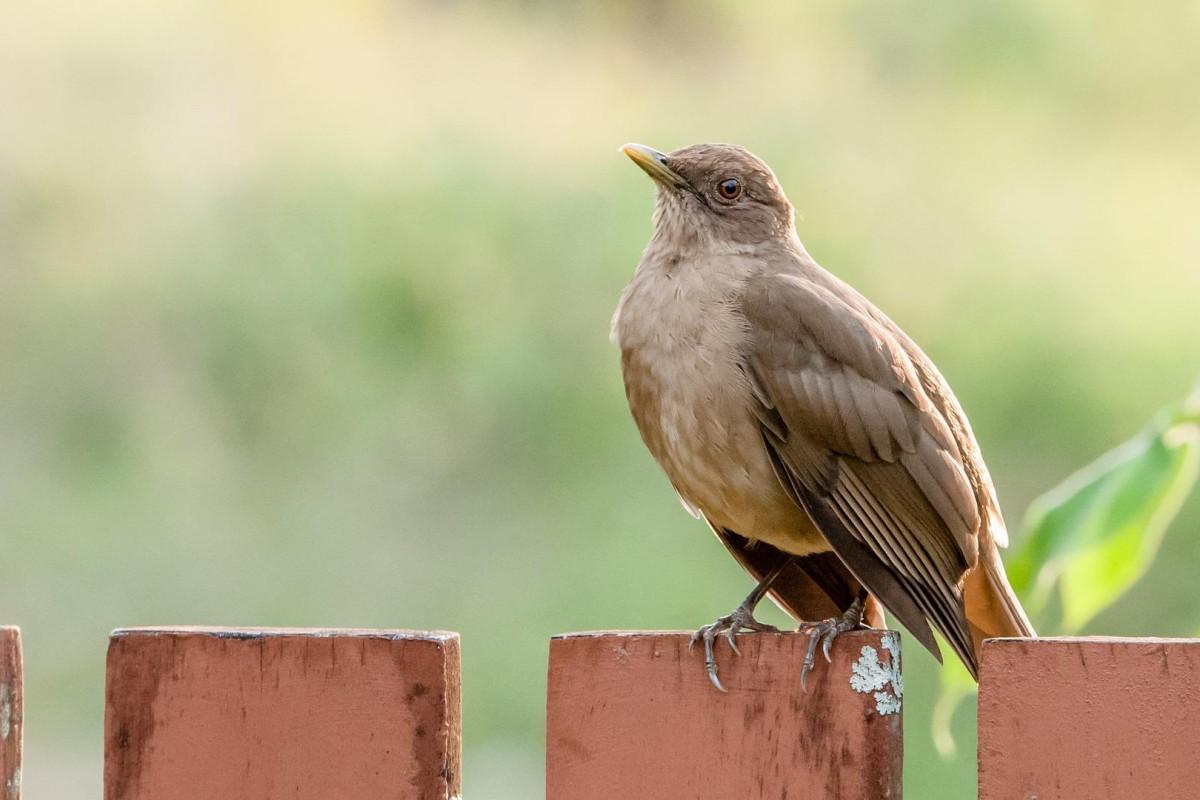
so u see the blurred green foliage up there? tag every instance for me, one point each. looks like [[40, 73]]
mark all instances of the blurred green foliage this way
[[1097, 533], [304, 306]]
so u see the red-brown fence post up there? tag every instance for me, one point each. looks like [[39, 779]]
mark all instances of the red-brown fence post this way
[[1095, 718], [11, 713], [632, 714], [237, 714]]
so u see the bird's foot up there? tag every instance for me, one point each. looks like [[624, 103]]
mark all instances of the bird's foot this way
[[742, 619], [824, 632]]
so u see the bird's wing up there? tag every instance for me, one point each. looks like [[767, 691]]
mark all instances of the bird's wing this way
[[855, 436]]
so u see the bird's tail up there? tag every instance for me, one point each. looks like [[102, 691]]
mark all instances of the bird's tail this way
[[992, 608]]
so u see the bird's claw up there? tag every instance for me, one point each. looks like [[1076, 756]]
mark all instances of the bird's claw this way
[[823, 633], [742, 619]]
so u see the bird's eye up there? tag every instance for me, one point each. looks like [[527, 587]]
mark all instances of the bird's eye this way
[[730, 188]]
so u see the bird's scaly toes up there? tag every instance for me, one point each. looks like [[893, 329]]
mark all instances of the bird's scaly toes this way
[[741, 619], [823, 633]]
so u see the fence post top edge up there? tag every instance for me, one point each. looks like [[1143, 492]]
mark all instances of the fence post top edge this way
[[252, 633]]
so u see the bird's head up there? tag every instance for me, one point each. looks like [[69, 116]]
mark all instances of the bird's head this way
[[719, 193]]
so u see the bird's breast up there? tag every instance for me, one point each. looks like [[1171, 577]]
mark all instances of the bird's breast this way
[[692, 403]]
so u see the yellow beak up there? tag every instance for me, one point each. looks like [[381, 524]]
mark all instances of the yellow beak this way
[[654, 164]]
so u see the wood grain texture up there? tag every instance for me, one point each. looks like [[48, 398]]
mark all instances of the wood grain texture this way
[[249, 714], [1096, 718], [632, 714], [11, 713]]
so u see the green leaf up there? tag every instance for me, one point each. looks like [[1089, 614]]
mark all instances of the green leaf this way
[[1095, 535]]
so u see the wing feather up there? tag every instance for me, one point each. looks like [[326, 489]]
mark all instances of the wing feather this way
[[866, 451]]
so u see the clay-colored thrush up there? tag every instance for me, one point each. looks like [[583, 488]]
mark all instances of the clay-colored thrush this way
[[812, 434]]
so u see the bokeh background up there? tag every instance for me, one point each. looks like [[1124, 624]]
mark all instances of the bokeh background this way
[[304, 306]]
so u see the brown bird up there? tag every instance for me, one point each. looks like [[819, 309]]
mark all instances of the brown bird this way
[[816, 439]]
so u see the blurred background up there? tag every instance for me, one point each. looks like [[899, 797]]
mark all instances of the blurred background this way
[[304, 306]]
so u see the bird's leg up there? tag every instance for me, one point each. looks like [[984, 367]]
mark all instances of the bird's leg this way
[[825, 631], [741, 619]]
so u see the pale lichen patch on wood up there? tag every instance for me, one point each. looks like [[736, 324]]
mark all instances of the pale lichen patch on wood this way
[[870, 675], [5, 711]]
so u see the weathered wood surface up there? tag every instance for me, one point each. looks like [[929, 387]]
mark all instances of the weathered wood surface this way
[[632, 714], [1095, 718], [197, 714], [11, 713]]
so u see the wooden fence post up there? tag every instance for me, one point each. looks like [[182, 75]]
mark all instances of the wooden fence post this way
[[632, 714], [1096, 718], [11, 713], [200, 713]]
